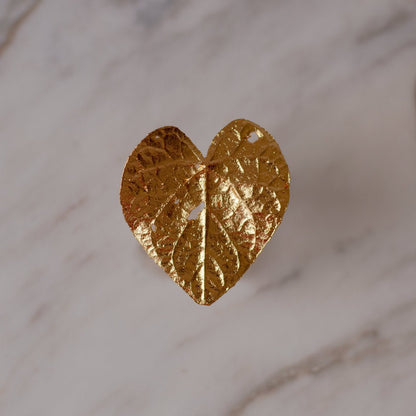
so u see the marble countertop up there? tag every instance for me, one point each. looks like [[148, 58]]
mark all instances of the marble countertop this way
[[323, 323]]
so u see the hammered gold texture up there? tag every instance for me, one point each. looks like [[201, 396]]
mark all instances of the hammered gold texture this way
[[242, 188]]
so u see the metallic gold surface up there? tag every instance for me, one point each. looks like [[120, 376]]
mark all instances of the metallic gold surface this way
[[241, 189]]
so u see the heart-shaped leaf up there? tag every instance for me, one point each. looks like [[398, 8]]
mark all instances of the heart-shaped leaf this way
[[205, 220]]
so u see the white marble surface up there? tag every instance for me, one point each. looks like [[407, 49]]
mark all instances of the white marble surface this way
[[324, 323]]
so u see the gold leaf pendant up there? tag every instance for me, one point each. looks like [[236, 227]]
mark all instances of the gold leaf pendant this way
[[205, 220]]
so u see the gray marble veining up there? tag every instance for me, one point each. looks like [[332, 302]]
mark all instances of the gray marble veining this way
[[323, 322]]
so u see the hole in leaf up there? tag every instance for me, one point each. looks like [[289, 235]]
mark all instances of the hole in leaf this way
[[153, 227], [195, 212], [197, 166], [253, 137], [176, 201]]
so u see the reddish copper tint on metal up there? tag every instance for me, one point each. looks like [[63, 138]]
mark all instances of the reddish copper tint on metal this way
[[205, 220]]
